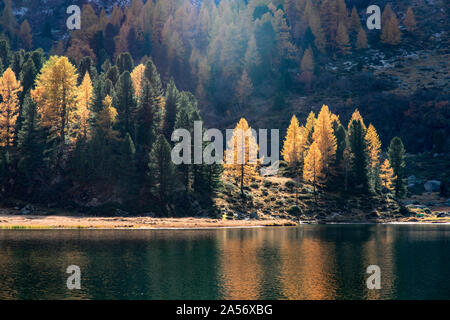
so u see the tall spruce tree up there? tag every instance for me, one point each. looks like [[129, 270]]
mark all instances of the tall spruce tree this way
[[396, 155]]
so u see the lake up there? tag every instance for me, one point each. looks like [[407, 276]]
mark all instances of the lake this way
[[305, 262]]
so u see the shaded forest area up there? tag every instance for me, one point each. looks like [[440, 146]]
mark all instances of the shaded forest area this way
[[88, 120]]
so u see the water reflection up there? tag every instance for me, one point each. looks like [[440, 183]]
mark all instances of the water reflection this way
[[307, 262]]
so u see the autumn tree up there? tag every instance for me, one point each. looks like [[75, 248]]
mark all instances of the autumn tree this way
[[244, 88], [396, 155], [355, 22], [312, 169], [137, 76], [55, 94], [25, 35], [83, 111], [241, 154], [391, 33], [342, 39], [9, 107], [361, 40], [294, 147], [325, 140], [387, 175], [374, 150], [309, 129], [410, 21]]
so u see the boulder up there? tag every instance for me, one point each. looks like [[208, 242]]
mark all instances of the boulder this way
[[432, 186]]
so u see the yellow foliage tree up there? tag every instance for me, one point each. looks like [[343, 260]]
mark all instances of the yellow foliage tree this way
[[374, 145], [56, 97], [83, 112], [106, 119], [356, 116], [9, 106], [410, 20], [293, 146], [241, 154], [25, 35], [309, 129], [391, 33], [387, 175], [313, 167], [137, 76], [324, 137], [361, 41]]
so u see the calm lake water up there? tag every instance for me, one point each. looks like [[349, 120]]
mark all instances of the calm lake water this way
[[306, 262]]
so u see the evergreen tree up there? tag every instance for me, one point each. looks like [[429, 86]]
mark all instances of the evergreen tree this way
[[125, 102], [171, 109], [29, 146], [28, 75], [396, 155], [124, 62], [358, 147], [162, 170]]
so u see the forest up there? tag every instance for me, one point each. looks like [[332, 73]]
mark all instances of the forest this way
[[86, 121]]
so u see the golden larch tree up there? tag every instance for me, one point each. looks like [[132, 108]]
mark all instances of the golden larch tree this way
[[391, 33], [373, 145], [324, 137], [137, 77], [313, 167], [410, 22], [242, 154], [56, 97], [25, 35], [361, 41], [293, 146], [309, 129], [356, 116], [9, 106], [387, 175], [342, 39], [106, 119], [83, 111]]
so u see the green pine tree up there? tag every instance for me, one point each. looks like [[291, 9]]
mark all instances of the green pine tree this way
[[396, 154]]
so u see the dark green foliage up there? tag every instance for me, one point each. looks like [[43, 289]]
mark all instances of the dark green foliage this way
[[358, 146], [17, 61], [86, 65], [162, 169], [124, 102], [153, 76], [396, 155], [30, 147], [113, 74], [172, 104], [28, 75], [124, 62], [98, 95], [5, 54]]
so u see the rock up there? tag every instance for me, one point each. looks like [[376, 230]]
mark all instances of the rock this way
[[411, 181], [254, 215], [27, 209], [442, 214], [432, 185]]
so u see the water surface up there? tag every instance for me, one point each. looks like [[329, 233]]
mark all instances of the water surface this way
[[306, 262]]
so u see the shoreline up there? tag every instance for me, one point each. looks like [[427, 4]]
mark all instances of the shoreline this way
[[61, 222]]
